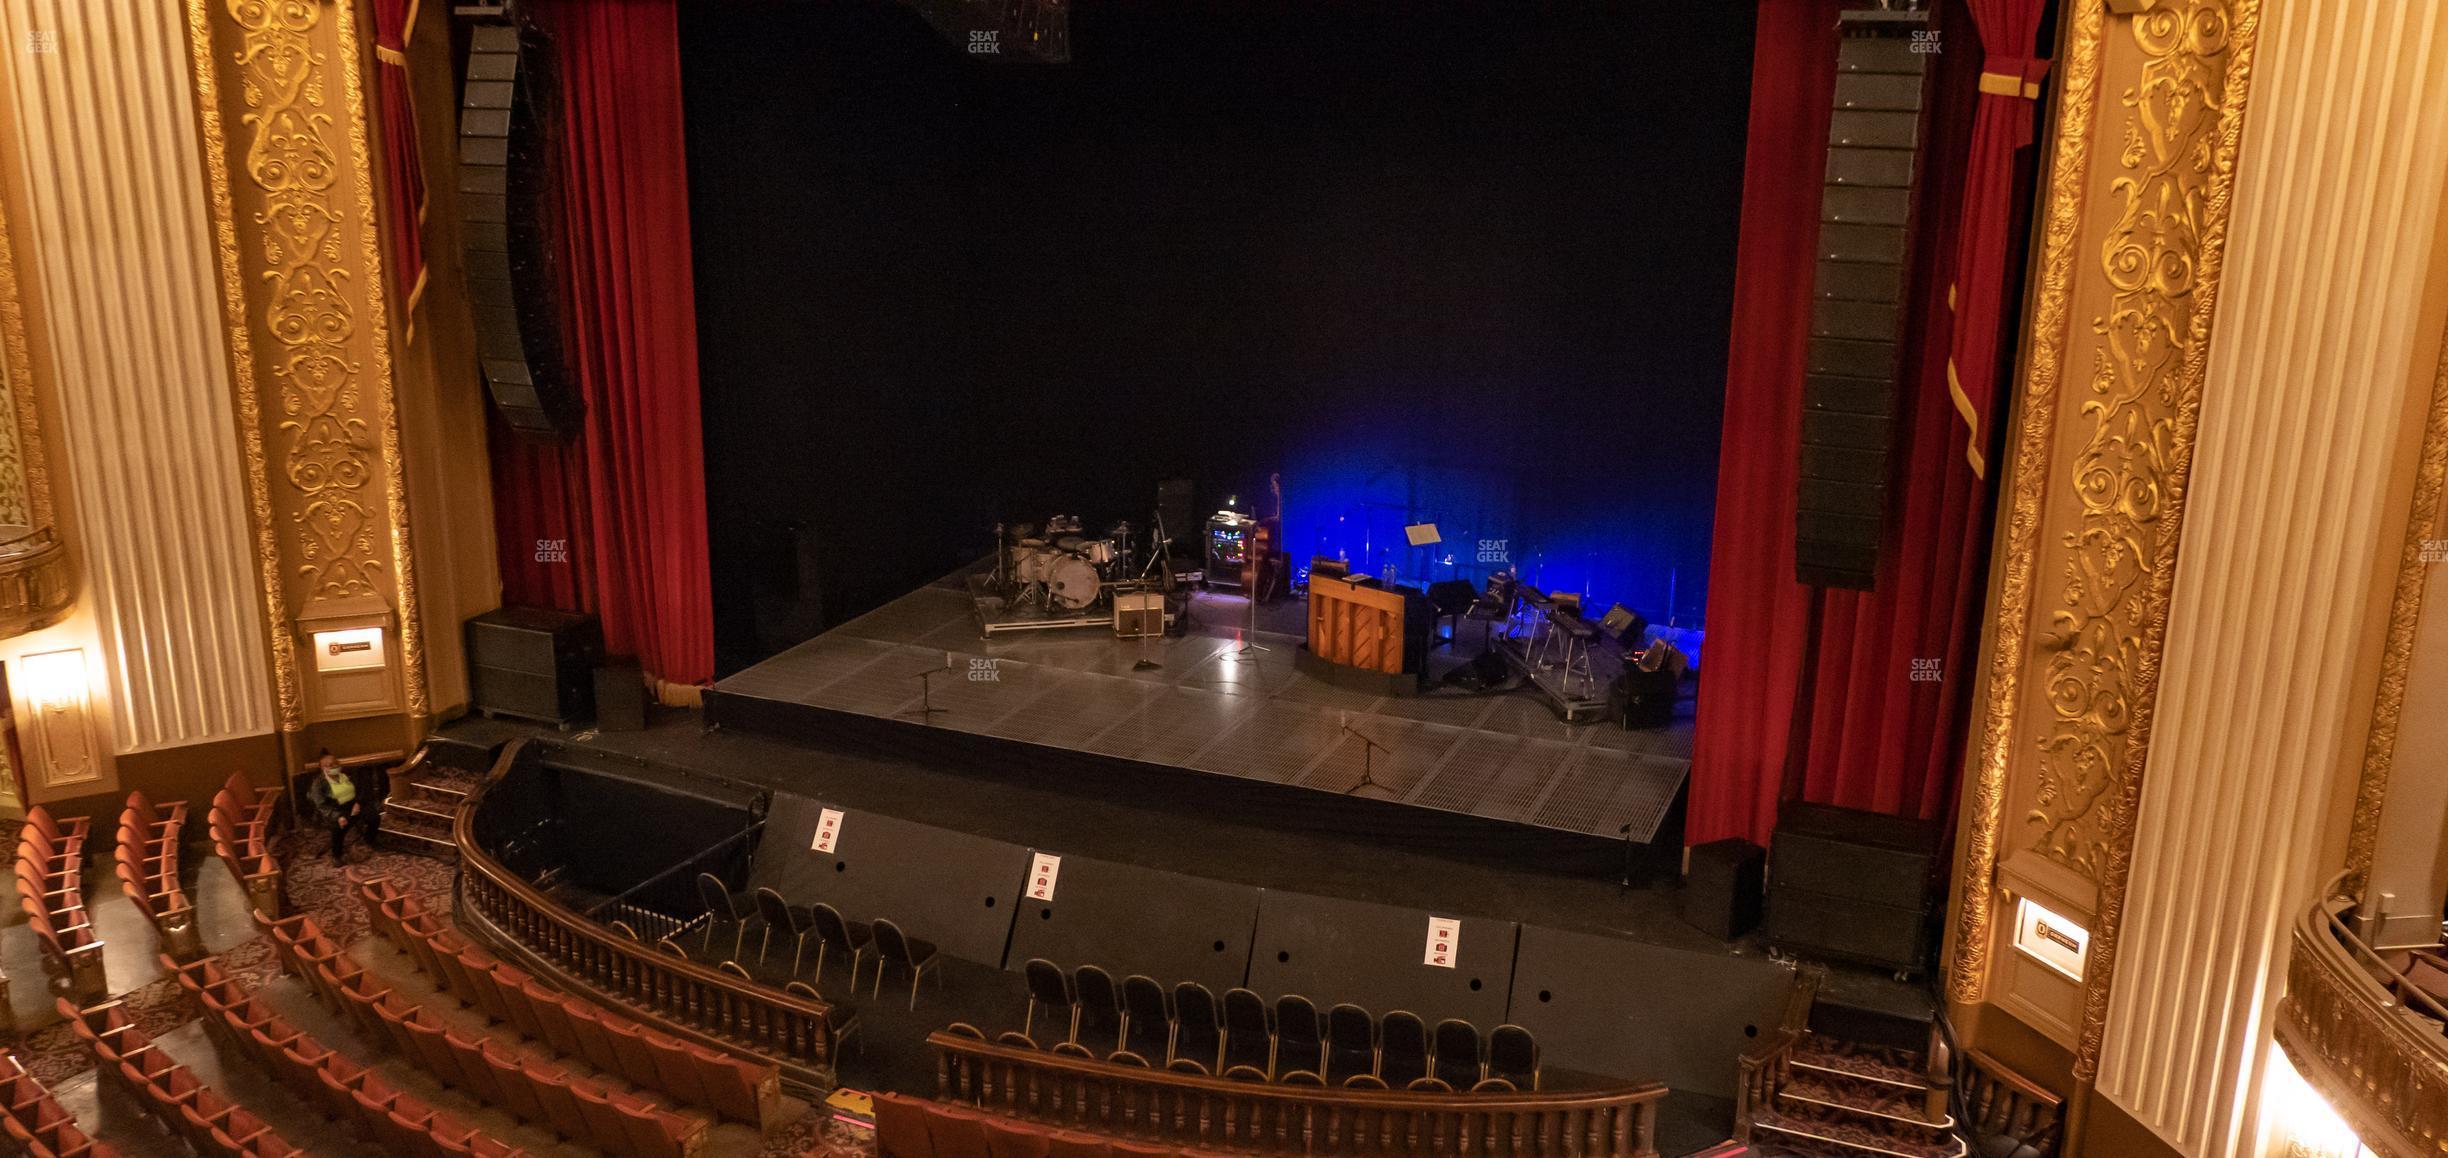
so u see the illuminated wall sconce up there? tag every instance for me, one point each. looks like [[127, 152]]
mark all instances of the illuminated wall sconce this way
[[59, 707], [2050, 939], [2297, 1121]]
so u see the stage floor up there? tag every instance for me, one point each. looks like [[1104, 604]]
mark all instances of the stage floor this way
[[1251, 715]]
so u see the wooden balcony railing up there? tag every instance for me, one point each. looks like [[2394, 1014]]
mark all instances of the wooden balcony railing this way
[[1191, 1110], [2364, 1036], [1763, 1067], [676, 995]]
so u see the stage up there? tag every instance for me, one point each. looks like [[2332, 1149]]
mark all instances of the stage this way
[[1210, 708]]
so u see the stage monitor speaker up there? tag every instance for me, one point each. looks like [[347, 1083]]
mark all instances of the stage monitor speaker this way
[[534, 663], [1859, 886], [507, 193], [1725, 887], [620, 697], [1857, 300]]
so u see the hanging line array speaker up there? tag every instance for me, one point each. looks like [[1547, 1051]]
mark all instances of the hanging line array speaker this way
[[506, 186], [1856, 325]]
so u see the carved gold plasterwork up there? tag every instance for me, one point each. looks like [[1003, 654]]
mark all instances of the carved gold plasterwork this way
[[2162, 258], [2088, 601], [319, 426], [2061, 218]]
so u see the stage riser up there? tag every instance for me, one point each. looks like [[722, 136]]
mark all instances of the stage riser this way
[[1168, 788]]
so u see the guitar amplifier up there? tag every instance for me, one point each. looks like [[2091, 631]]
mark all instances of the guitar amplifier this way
[[1858, 886], [533, 663], [1138, 613]]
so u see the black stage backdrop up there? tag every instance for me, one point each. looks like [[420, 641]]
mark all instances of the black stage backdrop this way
[[1468, 262]]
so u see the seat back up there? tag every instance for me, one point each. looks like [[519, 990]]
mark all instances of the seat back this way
[[1512, 1054], [1457, 1053], [1402, 1047], [715, 897], [832, 928], [1046, 983], [1195, 1005], [1144, 999], [772, 908], [892, 944]]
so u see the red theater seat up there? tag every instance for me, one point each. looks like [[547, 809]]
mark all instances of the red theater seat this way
[[901, 1128], [1008, 1138], [956, 1131]]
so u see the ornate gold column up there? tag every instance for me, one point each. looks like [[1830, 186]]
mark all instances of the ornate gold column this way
[[291, 184]]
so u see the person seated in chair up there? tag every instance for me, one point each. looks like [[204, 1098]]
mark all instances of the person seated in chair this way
[[346, 800]]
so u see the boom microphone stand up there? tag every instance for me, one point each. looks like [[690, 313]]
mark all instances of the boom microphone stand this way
[[1368, 750], [926, 709]]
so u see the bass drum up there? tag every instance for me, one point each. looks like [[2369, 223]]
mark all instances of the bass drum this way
[[1072, 581]]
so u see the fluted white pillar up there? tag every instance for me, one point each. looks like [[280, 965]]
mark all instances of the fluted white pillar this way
[[2320, 360], [118, 246]]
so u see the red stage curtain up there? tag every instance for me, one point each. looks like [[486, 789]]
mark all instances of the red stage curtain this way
[[1862, 701], [403, 168], [1758, 616], [1992, 217], [628, 495]]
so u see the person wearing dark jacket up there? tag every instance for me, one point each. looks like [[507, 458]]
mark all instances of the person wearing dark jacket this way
[[347, 800]]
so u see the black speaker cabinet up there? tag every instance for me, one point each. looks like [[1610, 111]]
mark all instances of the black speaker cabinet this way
[[1723, 891], [1857, 886], [1849, 388], [620, 696], [533, 663]]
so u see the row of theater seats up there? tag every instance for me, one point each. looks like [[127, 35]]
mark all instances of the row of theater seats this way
[[36, 1125], [1241, 1037], [148, 866], [908, 1127], [240, 823], [487, 1066], [210, 1124], [570, 1026], [50, 889], [400, 1123]]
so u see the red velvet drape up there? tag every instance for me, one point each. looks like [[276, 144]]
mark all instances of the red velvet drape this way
[[2001, 127], [626, 499], [403, 168], [1870, 685], [1758, 617]]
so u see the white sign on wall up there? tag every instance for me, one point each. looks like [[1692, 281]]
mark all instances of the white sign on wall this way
[[1042, 872], [1444, 940], [828, 830]]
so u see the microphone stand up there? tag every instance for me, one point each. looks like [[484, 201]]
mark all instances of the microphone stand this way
[[1626, 830], [926, 709], [1368, 750]]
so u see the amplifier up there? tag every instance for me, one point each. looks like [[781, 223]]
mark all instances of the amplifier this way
[[1138, 613], [534, 663], [1853, 885]]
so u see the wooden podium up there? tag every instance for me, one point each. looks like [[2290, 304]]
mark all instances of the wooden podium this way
[[1364, 630]]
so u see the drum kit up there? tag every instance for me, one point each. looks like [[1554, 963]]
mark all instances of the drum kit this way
[[1058, 569]]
